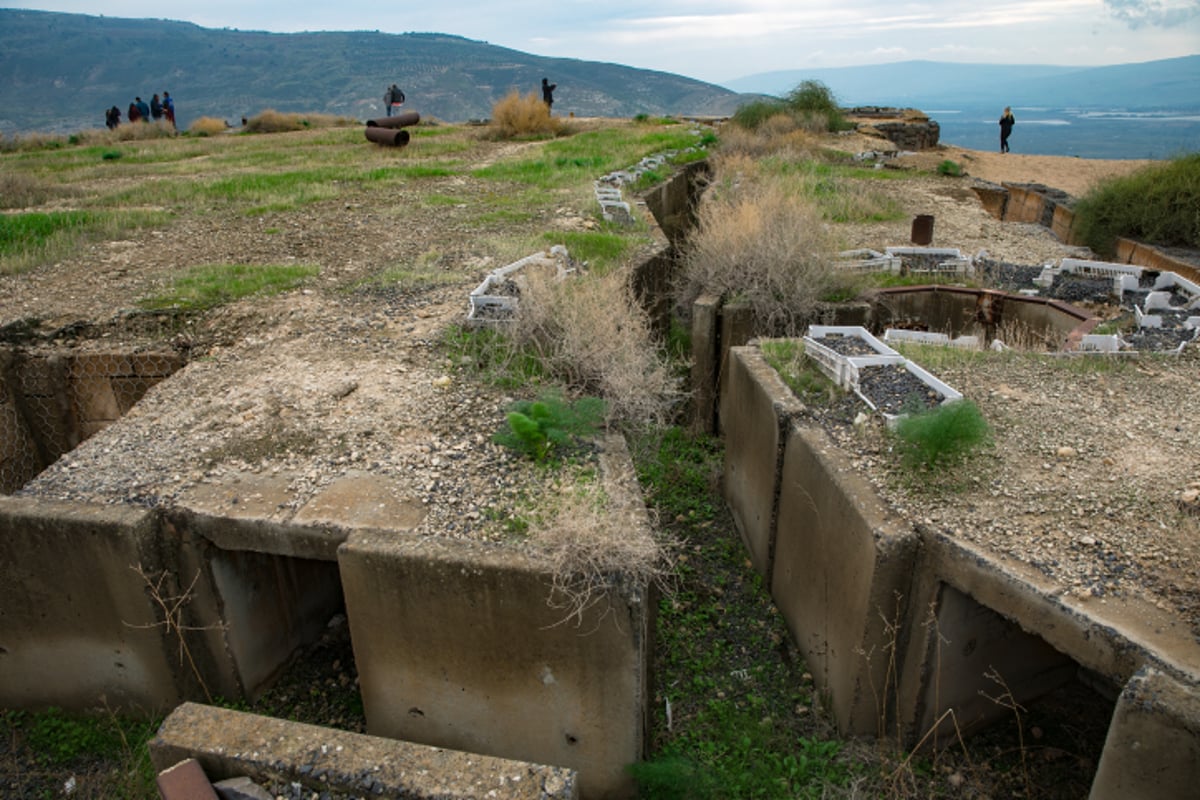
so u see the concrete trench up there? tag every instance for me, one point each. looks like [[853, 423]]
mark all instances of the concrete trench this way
[[76, 622], [454, 641]]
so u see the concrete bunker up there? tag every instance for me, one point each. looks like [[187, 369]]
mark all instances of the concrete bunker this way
[[51, 401], [900, 624]]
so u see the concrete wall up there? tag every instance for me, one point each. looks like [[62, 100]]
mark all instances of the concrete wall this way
[[842, 568], [890, 614], [76, 622], [231, 744], [457, 645], [467, 645], [756, 408], [51, 403], [1153, 747]]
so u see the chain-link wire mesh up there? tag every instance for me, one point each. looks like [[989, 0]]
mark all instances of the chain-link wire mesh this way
[[51, 403]]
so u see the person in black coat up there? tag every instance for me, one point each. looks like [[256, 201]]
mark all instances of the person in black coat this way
[[1006, 125], [393, 98], [548, 92]]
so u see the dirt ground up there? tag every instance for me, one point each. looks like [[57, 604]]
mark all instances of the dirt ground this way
[[1075, 176]]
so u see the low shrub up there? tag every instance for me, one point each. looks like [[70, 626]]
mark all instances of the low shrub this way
[[514, 115], [207, 126], [949, 168], [272, 121], [815, 103], [550, 426], [1156, 205], [943, 435]]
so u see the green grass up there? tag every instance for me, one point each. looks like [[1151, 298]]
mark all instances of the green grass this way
[[213, 285], [31, 239], [1155, 205], [800, 373], [489, 355], [721, 654], [602, 250], [583, 157], [106, 753]]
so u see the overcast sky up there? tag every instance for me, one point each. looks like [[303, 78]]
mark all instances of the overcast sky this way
[[720, 41]]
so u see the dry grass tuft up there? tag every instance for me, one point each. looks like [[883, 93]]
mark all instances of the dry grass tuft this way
[[514, 115], [208, 126], [594, 545], [590, 331], [781, 134], [272, 121], [18, 190], [760, 239]]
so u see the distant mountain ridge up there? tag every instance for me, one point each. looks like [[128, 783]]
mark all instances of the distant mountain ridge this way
[[58, 72], [1165, 84]]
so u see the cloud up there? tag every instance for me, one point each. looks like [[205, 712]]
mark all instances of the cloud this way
[[1139, 13]]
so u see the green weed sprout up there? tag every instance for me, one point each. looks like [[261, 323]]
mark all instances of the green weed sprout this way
[[550, 425], [942, 436], [950, 168]]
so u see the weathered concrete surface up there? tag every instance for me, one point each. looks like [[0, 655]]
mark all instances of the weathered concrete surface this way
[[465, 645], [232, 743], [979, 604], [1153, 746], [673, 202], [705, 325], [842, 568], [891, 614], [955, 310], [756, 407], [76, 621]]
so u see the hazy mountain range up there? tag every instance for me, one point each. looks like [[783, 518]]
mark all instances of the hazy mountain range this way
[[1154, 85], [58, 72]]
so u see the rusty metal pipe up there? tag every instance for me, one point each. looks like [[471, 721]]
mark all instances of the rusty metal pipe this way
[[398, 121], [387, 136]]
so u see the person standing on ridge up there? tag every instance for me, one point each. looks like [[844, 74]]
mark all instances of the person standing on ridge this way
[[156, 110], [1006, 125], [134, 113], [548, 92], [143, 109], [393, 98]]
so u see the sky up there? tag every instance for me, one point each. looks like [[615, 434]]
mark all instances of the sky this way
[[722, 41]]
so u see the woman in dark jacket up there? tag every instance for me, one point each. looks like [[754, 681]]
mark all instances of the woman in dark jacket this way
[[1006, 124]]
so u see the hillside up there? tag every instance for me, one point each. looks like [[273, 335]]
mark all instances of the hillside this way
[[58, 72]]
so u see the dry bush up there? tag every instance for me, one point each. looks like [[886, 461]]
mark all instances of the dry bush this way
[[208, 126], [780, 134], [759, 239], [159, 129], [590, 331], [514, 115], [32, 141], [272, 121]]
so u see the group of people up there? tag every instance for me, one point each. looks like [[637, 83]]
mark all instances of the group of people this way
[[141, 111]]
